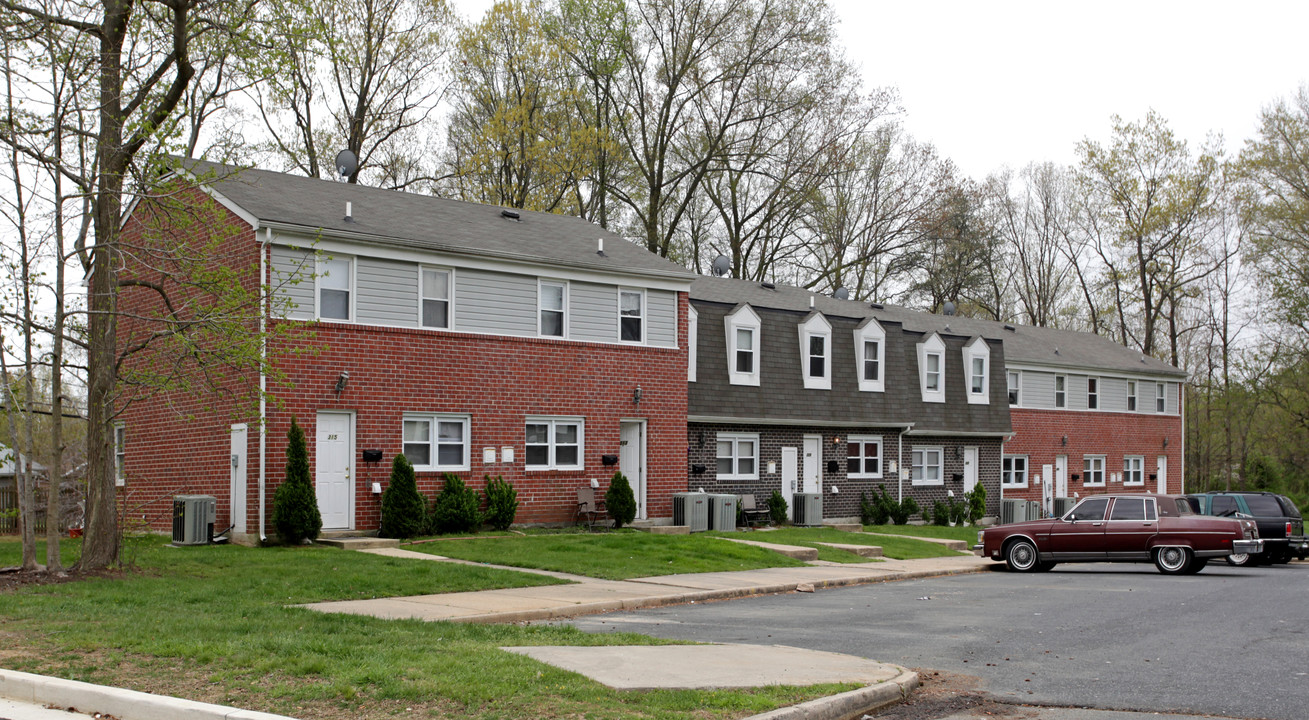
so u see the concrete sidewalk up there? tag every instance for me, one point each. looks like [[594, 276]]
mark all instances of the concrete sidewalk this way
[[588, 595]]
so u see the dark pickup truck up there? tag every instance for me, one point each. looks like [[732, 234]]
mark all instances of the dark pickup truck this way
[[1280, 525]]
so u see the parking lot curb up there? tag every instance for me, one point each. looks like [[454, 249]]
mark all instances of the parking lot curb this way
[[852, 704], [120, 703]]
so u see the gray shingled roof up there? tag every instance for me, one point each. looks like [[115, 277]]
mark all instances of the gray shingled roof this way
[[1023, 344], [429, 223]]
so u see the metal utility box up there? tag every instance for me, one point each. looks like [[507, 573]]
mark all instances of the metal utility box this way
[[807, 509], [193, 519], [691, 509], [1062, 505], [1012, 511], [722, 511]]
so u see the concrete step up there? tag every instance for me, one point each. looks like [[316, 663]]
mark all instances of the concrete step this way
[[860, 550], [667, 529], [959, 545], [791, 551], [844, 527], [359, 543]]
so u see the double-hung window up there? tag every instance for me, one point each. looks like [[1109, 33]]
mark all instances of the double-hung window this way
[[927, 466], [436, 298], [120, 455], [977, 363], [1159, 397], [870, 356], [932, 373], [742, 331], [436, 442], [1133, 470], [554, 443], [1014, 380], [1092, 393], [864, 457], [931, 368], [816, 353], [1131, 396], [553, 302], [738, 456], [335, 280], [1060, 391], [631, 316], [1013, 471], [1093, 470]]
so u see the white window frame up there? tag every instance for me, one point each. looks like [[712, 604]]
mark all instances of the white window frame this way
[[1160, 398], [1010, 474], [932, 346], [1087, 462], [692, 333], [449, 299], [1134, 465], [816, 327], [863, 440], [1014, 387], [736, 439], [553, 423], [1131, 396], [434, 443], [643, 317], [120, 455], [973, 351], [541, 309], [744, 318], [918, 460], [1092, 394], [320, 274], [1060, 393], [870, 331]]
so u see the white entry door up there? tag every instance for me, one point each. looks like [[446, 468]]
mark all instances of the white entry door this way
[[813, 455], [334, 450], [1061, 476], [790, 472], [1162, 475], [631, 460], [240, 449], [970, 468]]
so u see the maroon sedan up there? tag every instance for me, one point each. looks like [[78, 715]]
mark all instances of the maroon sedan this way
[[1122, 528]]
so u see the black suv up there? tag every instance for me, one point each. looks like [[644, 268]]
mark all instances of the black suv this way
[[1279, 521]]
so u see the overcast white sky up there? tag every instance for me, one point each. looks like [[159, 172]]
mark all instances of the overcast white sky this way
[[998, 82]]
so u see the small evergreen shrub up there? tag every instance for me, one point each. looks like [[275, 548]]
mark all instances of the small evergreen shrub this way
[[902, 510], [940, 514], [1262, 473], [976, 499], [777, 508], [877, 510], [295, 505], [455, 509], [404, 509], [958, 511], [620, 503], [501, 503]]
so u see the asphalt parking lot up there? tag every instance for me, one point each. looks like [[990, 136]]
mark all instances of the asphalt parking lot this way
[[1228, 641]]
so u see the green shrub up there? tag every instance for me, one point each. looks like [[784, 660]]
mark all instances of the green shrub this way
[[976, 499], [958, 511], [901, 511], [940, 514], [404, 509], [872, 512], [1262, 473], [295, 505], [501, 503], [456, 507], [620, 503], [777, 508]]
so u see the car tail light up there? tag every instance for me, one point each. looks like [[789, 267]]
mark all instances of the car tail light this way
[[1289, 533]]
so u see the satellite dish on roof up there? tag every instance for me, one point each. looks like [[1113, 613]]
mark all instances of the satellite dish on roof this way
[[841, 294], [346, 163], [948, 309], [722, 264]]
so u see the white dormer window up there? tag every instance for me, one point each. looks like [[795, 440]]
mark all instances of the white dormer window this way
[[692, 333], [977, 358], [742, 331], [816, 353], [335, 283], [931, 368], [870, 356]]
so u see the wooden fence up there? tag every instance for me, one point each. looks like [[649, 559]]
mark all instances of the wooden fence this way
[[9, 513]]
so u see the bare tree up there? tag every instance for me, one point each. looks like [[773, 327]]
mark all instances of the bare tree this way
[[1032, 213]]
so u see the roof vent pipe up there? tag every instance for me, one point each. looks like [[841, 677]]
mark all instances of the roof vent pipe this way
[[349, 215], [510, 214], [811, 302], [600, 250]]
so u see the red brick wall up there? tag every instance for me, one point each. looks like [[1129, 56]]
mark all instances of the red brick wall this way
[[1039, 434]]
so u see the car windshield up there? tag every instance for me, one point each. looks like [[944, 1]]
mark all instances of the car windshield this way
[[1089, 509], [1264, 506]]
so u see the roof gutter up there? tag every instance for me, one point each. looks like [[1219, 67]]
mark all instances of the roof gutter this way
[[729, 420]]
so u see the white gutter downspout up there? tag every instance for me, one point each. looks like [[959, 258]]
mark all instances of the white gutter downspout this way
[[899, 475], [263, 376]]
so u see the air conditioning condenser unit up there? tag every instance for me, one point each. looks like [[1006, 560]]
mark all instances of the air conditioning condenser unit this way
[[691, 509], [193, 519]]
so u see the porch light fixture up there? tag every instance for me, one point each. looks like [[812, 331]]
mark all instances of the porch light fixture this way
[[836, 440], [1165, 441], [636, 395], [1063, 440], [341, 380]]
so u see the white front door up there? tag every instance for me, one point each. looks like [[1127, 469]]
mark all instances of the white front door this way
[[1162, 473], [240, 448], [334, 450], [970, 468], [631, 460], [790, 472], [813, 455], [1061, 476]]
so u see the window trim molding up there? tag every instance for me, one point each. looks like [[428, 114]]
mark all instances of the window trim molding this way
[[1140, 471], [1104, 480], [940, 454], [1160, 398], [645, 315], [1027, 471], [816, 326], [1057, 391], [1093, 380], [931, 345], [881, 457], [735, 438], [120, 455], [1133, 403], [870, 331], [319, 274], [978, 349], [746, 318], [435, 418], [553, 463], [449, 301], [540, 308]]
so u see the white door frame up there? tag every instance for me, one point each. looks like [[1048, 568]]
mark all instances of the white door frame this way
[[240, 461], [636, 476], [970, 467], [320, 471], [790, 472], [1161, 465], [812, 482], [1061, 476]]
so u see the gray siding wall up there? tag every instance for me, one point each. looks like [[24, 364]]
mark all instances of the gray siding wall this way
[[1076, 392], [386, 292], [1113, 394], [593, 312], [290, 265], [1171, 402], [496, 303], [661, 306], [1037, 390]]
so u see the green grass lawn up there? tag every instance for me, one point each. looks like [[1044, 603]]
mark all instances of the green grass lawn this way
[[967, 533], [616, 555], [895, 548], [214, 624]]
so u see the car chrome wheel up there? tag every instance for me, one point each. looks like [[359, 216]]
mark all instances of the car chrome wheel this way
[[1021, 556], [1238, 559], [1172, 560]]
